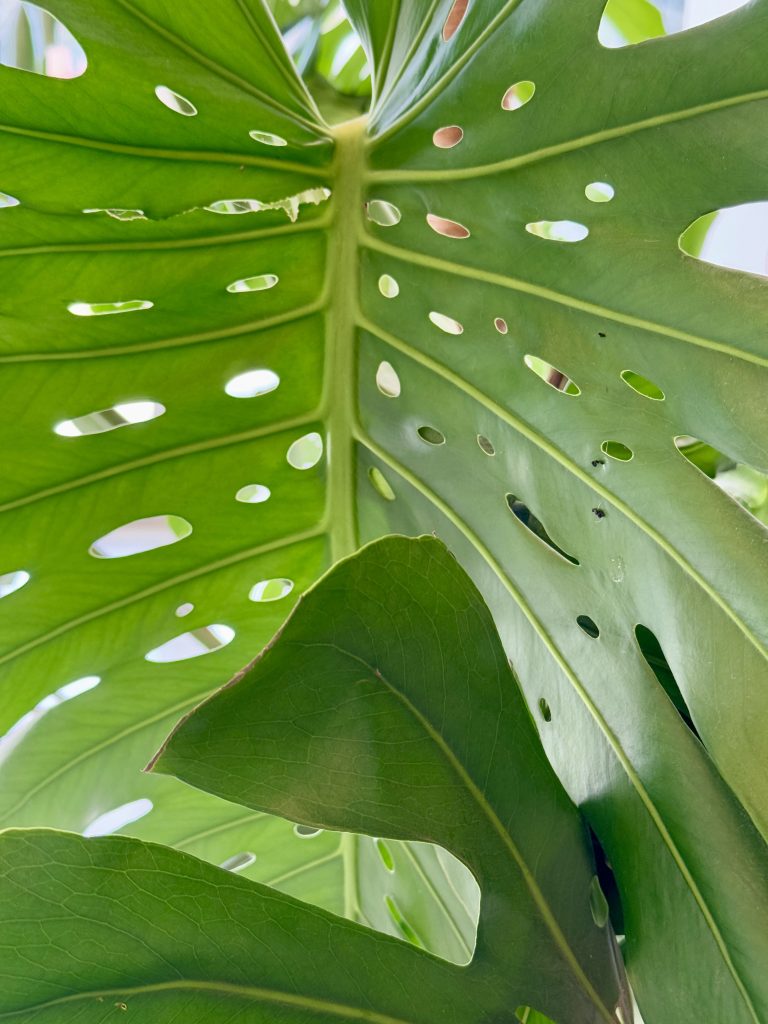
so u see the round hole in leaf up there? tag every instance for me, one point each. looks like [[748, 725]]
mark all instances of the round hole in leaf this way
[[448, 137], [616, 450], [544, 710], [501, 325], [447, 324], [599, 192], [10, 582], [253, 494], [518, 95], [388, 286], [380, 484], [431, 435], [185, 609], [447, 228], [175, 101], [485, 445], [259, 283], [252, 384], [642, 385], [588, 626], [305, 452], [387, 380], [380, 212], [270, 590], [268, 138]]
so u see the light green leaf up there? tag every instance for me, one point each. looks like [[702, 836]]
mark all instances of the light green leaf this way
[[389, 677], [675, 127]]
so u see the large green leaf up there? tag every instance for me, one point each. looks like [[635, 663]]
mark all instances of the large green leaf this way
[[390, 677], [657, 543]]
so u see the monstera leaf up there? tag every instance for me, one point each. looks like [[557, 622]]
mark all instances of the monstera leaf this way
[[489, 329], [370, 710]]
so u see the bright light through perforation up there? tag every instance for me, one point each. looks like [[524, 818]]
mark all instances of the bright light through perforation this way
[[13, 581], [117, 818], [121, 415], [252, 384]]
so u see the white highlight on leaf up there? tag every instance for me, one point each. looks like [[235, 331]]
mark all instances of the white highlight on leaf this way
[[118, 818]]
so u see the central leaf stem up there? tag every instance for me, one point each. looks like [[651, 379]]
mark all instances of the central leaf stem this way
[[340, 386]]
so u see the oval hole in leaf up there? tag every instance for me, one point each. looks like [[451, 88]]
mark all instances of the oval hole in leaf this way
[[306, 831], [380, 484], [306, 452], [108, 308], [642, 385], [501, 325], [446, 323], [558, 230], [652, 652], [380, 212], [184, 609], [518, 95], [402, 924], [387, 380], [544, 710], [448, 137], [118, 213], [175, 101], [192, 644], [21, 727], [551, 375], [49, 47], [253, 494], [385, 854], [485, 445], [588, 626], [239, 862], [524, 515], [7, 201], [252, 384], [259, 283], [616, 450], [599, 192], [388, 287], [118, 818], [447, 228], [270, 590], [10, 582], [733, 238], [123, 415], [430, 435], [455, 17], [268, 138], [141, 535]]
